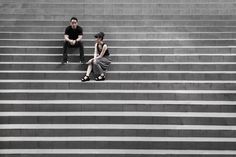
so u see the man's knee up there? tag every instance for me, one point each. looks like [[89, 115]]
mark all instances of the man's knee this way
[[79, 44], [66, 44]]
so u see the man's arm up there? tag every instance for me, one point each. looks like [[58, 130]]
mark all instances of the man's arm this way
[[79, 38], [66, 37]]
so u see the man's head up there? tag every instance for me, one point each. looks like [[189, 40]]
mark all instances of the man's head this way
[[74, 22]]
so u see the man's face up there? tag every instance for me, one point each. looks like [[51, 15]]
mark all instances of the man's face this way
[[74, 24]]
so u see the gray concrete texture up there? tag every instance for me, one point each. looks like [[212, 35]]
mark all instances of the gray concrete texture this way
[[169, 56]]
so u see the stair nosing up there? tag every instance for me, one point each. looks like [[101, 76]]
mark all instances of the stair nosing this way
[[119, 126], [134, 47], [127, 54], [123, 102], [120, 114], [121, 81], [120, 139], [106, 91], [124, 63], [123, 72]]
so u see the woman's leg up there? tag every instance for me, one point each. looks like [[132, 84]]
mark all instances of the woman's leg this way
[[100, 66], [97, 69], [86, 77], [89, 69]]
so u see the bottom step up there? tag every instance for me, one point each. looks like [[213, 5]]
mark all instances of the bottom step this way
[[116, 152], [113, 155]]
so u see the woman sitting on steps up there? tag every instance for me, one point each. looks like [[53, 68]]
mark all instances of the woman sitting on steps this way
[[101, 60]]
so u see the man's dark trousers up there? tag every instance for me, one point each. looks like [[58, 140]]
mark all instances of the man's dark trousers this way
[[77, 45]]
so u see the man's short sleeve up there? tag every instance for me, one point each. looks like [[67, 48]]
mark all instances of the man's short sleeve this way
[[80, 31], [67, 31]]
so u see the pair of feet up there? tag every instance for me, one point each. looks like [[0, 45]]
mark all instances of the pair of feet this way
[[99, 78]]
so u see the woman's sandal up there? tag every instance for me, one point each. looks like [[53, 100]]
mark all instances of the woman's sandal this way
[[85, 78], [100, 78]]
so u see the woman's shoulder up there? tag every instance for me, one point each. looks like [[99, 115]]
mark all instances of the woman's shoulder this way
[[104, 44]]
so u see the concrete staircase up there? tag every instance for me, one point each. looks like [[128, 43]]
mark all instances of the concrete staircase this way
[[170, 92]]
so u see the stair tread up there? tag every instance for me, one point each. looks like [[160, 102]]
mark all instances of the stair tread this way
[[118, 151]]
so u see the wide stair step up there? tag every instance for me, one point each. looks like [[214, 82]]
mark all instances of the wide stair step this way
[[119, 75], [125, 35], [123, 57], [123, 28]]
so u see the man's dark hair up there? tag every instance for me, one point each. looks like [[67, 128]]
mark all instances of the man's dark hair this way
[[74, 18]]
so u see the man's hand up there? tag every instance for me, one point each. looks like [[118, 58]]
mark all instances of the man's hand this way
[[72, 42]]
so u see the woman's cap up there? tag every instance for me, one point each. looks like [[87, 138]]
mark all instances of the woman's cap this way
[[99, 35]]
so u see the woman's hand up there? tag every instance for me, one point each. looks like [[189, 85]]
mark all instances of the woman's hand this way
[[95, 59], [90, 61]]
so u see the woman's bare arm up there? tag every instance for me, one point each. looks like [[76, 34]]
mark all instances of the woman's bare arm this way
[[103, 51], [94, 56], [95, 51]]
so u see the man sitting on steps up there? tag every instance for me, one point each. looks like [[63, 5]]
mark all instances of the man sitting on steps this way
[[73, 36]]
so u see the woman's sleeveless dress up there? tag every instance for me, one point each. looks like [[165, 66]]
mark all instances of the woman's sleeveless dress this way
[[103, 63]]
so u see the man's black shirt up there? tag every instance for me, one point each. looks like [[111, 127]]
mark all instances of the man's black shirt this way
[[73, 33]]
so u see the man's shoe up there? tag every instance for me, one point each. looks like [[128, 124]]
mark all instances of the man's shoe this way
[[65, 62], [82, 62]]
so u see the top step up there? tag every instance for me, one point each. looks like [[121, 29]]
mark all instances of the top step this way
[[158, 6], [120, 1], [123, 7]]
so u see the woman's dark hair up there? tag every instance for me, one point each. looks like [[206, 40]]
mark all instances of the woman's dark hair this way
[[74, 18], [100, 35]]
